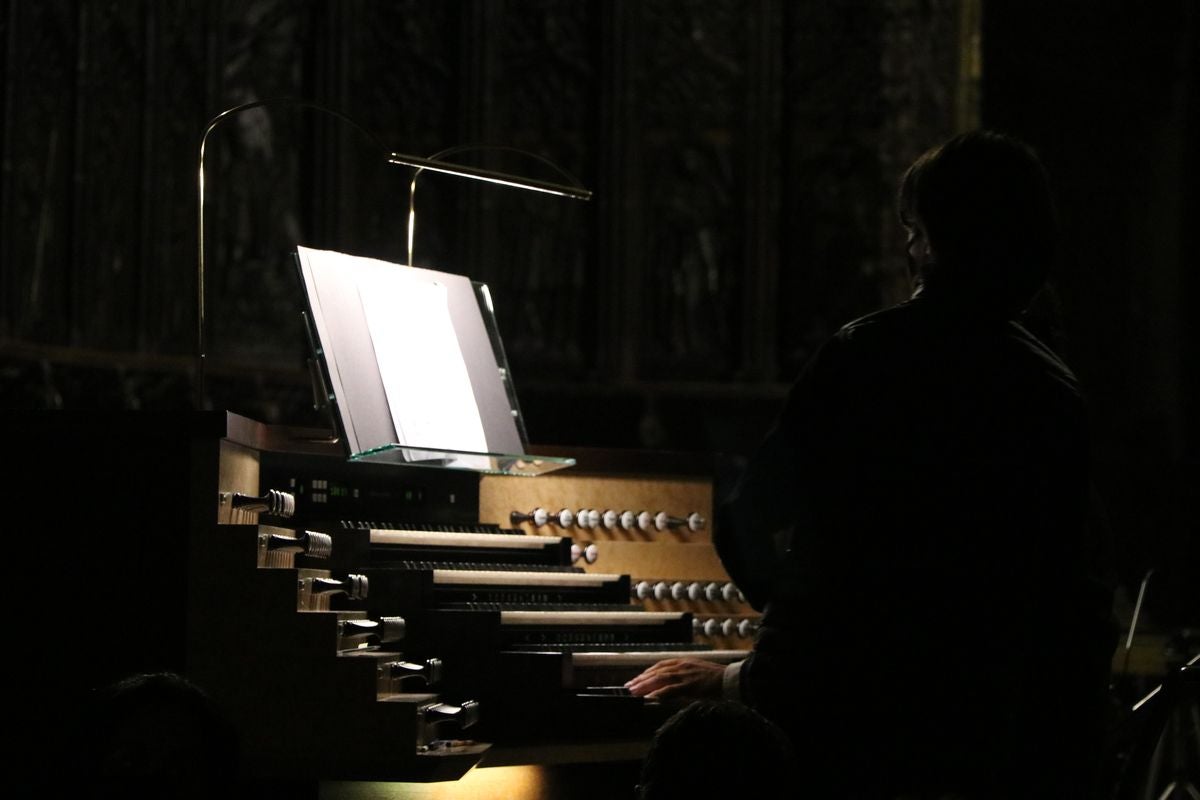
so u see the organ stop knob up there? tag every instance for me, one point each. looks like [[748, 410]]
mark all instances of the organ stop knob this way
[[563, 518], [539, 517], [589, 553], [664, 521]]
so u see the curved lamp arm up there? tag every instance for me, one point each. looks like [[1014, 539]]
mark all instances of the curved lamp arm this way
[[201, 337], [433, 163]]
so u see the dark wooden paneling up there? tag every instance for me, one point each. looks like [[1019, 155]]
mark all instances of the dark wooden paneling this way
[[836, 190], [538, 252], [399, 65], [258, 165], [691, 86], [39, 158], [742, 153], [173, 118], [108, 188]]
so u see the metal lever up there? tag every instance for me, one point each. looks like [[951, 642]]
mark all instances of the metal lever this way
[[280, 504], [429, 671], [310, 543], [385, 630], [354, 586], [464, 716]]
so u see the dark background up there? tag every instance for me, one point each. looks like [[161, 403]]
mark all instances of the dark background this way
[[744, 156]]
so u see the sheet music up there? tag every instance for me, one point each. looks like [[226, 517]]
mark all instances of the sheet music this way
[[410, 361], [420, 361]]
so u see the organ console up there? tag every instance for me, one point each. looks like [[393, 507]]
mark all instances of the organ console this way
[[360, 621], [442, 619]]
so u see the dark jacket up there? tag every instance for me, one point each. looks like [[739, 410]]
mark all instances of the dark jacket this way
[[915, 529]]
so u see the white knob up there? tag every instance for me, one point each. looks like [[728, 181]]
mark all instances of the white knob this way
[[679, 590], [662, 520], [729, 592], [662, 590], [697, 627], [746, 628], [587, 517], [576, 553], [645, 520], [609, 518], [565, 518], [628, 520], [728, 627], [712, 591], [643, 589], [695, 591], [591, 553], [711, 627], [540, 516], [694, 521]]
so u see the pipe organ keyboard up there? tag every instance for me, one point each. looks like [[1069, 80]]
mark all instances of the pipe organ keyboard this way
[[438, 619]]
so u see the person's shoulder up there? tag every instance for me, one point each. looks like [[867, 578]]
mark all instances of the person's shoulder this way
[[878, 327], [1048, 361], [862, 347]]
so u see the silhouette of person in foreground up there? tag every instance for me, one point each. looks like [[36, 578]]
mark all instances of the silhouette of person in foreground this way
[[914, 528], [157, 735], [715, 748]]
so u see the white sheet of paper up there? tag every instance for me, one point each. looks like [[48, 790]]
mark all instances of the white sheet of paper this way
[[421, 363]]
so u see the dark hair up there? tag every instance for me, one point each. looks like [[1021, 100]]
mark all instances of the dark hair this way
[[157, 734], [986, 205], [710, 749]]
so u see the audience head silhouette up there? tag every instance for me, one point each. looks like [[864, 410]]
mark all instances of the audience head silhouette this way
[[158, 735]]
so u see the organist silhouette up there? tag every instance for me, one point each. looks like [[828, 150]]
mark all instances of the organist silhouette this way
[[914, 528]]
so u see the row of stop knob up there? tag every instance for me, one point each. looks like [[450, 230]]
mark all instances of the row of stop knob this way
[[725, 627], [613, 520], [680, 590]]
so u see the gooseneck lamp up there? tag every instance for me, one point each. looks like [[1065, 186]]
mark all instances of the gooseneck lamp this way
[[432, 163]]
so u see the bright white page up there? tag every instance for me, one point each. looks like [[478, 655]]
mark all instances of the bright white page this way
[[420, 362]]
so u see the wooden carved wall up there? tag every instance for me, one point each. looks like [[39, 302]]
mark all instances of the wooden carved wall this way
[[743, 154]]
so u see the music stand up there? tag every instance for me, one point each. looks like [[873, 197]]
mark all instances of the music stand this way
[[412, 366]]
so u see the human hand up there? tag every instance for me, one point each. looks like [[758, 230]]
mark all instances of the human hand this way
[[678, 678]]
